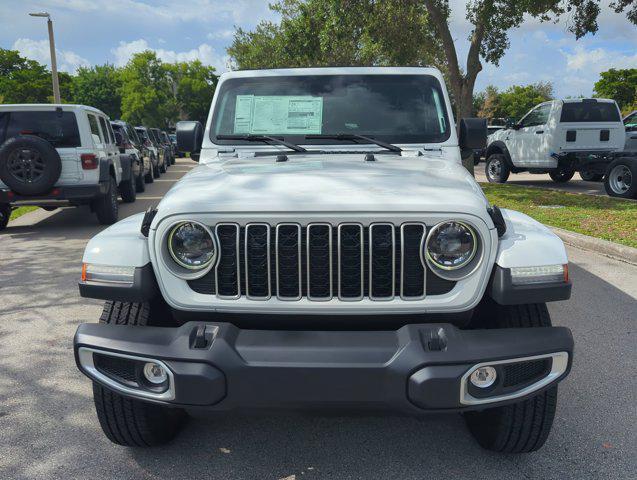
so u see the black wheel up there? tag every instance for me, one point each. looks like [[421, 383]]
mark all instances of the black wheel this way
[[589, 176], [561, 175], [125, 421], [29, 165], [5, 215], [140, 181], [621, 178], [128, 191], [476, 159], [162, 167], [150, 176], [523, 426], [496, 168], [106, 207]]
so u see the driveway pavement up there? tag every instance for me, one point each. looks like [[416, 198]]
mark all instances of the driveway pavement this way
[[575, 185], [48, 428]]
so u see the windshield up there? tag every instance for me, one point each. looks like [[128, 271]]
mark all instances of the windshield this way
[[59, 128], [390, 108]]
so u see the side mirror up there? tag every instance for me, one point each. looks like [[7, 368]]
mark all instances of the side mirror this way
[[119, 140], [189, 137], [472, 134]]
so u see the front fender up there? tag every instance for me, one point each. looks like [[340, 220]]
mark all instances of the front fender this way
[[528, 243], [121, 245]]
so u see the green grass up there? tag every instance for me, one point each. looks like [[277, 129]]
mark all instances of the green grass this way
[[602, 217], [18, 212]]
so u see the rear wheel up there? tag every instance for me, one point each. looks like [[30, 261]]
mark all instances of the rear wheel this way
[[496, 168], [621, 178], [125, 421], [106, 207], [523, 426], [561, 175], [128, 190], [162, 167], [5, 215]]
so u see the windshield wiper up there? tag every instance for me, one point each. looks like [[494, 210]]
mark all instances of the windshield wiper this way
[[262, 138], [354, 136]]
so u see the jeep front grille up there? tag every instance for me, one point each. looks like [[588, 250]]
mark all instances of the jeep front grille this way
[[320, 262]]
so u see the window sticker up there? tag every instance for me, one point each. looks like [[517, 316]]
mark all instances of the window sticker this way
[[278, 114]]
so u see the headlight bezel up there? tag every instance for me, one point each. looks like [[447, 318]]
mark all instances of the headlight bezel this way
[[453, 273], [174, 265]]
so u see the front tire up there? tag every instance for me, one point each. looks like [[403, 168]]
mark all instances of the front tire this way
[[125, 421], [496, 168], [523, 426], [561, 175], [589, 176], [621, 178]]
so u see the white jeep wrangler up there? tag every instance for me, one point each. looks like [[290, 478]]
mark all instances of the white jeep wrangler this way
[[561, 137], [61, 155], [329, 251]]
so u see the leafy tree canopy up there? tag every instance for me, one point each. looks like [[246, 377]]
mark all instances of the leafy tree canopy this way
[[620, 85], [513, 102], [99, 87], [193, 86], [339, 32]]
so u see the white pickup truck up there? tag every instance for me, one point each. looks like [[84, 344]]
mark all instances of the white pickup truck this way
[[561, 137]]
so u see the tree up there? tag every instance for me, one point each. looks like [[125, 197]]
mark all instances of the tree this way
[[515, 101], [23, 80], [193, 86], [146, 92], [99, 87], [620, 85], [488, 40], [339, 32]]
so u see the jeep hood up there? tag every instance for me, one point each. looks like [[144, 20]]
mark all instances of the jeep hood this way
[[326, 183]]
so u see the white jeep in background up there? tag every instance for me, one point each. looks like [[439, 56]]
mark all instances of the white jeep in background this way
[[61, 155], [561, 137], [330, 251]]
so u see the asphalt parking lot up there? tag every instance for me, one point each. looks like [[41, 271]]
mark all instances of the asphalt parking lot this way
[[48, 429], [575, 185]]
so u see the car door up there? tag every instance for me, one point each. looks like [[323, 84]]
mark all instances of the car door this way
[[112, 152], [630, 122], [99, 144], [528, 145]]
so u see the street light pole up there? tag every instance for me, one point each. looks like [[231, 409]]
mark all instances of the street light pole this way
[[54, 66]]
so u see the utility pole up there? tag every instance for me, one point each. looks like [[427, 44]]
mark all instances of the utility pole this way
[[54, 66]]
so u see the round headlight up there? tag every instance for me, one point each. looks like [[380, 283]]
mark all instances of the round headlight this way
[[191, 246], [451, 245]]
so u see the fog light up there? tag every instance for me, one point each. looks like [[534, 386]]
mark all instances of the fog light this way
[[155, 373], [483, 377]]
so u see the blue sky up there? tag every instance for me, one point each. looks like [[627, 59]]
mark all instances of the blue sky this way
[[98, 31]]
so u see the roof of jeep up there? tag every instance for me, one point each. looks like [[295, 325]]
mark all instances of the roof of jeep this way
[[287, 72], [48, 106]]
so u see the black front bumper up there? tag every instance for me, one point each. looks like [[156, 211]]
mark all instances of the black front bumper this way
[[414, 369]]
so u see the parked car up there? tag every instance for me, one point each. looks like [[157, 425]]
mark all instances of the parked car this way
[[164, 152], [558, 137], [630, 124], [156, 153], [326, 257], [173, 139], [61, 155], [129, 143], [169, 146], [479, 153]]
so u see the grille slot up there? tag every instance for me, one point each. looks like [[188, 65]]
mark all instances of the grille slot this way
[[257, 261], [412, 286], [351, 269], [516, 374], [288, 261], [319, 262], [382, 261]]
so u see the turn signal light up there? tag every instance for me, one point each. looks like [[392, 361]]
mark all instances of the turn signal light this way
[[89, 161]]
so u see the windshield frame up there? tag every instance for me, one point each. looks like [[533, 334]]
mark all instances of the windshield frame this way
[[302, 140]]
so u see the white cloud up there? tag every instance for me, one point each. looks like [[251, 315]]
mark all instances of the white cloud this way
[[67, 61], [220, 35], [205, 53], [598, 59]]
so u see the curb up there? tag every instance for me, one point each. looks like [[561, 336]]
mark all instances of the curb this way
[[613, 250]]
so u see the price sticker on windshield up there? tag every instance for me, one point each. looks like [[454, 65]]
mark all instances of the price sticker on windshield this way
[[278, 114]]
